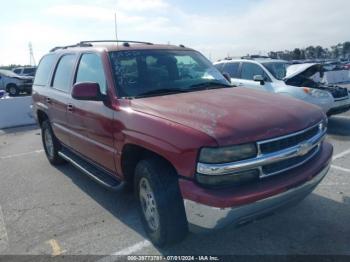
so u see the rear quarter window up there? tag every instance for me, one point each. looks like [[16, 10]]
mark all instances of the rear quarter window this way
[[44, 69]]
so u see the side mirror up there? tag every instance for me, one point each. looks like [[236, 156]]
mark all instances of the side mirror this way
[[87, 91], [227, 76], [259, 78]]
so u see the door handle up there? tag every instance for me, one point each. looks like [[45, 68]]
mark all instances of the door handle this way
[[48, 100], [240, 84], [70, 107]]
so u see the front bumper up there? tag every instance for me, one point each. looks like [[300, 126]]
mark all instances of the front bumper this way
[[208, 209], [207, 217], [339, 107]]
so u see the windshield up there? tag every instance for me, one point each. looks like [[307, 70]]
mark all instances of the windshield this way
[[277, 69], [149, 73]]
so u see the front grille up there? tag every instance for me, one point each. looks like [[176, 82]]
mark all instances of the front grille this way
[[290, 141], [271, 169]]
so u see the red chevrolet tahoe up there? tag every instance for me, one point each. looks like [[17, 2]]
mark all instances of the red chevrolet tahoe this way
[[199, 153]]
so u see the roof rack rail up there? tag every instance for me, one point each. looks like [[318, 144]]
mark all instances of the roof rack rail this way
[[115, 41], [252, 57], [89, 43], [70, 46]]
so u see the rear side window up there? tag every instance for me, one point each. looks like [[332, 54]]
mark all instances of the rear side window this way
[[44, 69], [232, 69], [91, 70], [63, 74], [17, 71], [249, 70]]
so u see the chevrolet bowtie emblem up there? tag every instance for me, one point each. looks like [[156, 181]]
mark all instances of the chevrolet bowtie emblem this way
[[304, 148]]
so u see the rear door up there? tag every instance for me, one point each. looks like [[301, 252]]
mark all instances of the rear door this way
[[58, 98], [91, 121]]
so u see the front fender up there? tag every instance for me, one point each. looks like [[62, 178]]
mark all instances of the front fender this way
[[296, 92], [177, 143]]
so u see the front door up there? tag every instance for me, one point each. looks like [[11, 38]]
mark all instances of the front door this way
[[248, 71], [91, 121]]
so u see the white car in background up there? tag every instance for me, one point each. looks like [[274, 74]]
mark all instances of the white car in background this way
[[277, 76], [15, 84]]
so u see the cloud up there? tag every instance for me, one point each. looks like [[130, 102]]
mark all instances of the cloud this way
[[269, 25], [260, 27], [142, 5]]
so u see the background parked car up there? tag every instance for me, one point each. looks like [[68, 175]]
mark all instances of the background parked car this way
[[15, 84], [277, 76], [25, 71]]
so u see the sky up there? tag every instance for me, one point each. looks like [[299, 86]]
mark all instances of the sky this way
[[216, 28]]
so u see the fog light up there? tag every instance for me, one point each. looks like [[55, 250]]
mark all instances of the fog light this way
[[227, 180]]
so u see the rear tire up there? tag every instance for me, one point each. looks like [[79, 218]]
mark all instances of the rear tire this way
[[13, 90], [160, 202], [51, 144]]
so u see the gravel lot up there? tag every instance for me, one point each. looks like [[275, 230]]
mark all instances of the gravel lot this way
[[48, 210]]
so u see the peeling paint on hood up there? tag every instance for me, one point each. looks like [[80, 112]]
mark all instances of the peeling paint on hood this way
[[233, 115]]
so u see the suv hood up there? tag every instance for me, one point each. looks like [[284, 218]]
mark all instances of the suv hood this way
[[300, 75], [306, 70], [233, 115]]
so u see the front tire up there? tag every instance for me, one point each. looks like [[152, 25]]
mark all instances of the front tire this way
[[160, 202], [51, 144]]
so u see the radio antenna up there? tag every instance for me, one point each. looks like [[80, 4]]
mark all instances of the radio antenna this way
[[115, 27]]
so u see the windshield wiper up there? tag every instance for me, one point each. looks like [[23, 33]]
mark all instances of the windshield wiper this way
[[210, 85], [163, 91]]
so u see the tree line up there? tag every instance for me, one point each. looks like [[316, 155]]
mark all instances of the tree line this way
[[339, 51]]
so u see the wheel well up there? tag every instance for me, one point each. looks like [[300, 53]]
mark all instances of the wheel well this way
[[131, 155], [9, 85], [41, 117]]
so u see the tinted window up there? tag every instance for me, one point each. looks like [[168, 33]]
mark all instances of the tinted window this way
[[43, 73], [63, 73], [29, 71], [219, 67], [277, 69], [17, 71], [142, 73], [249, 70], [91, 70], [232, 69]]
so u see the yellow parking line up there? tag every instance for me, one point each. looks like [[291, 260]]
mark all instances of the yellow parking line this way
[[56, 249]]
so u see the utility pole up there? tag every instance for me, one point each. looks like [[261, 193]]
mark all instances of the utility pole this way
[[31, 55]]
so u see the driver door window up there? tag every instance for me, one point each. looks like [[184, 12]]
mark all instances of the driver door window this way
[[91, 70], [249, 70]]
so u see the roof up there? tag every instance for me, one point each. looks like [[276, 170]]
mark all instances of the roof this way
[[258, 60], [113, 45]]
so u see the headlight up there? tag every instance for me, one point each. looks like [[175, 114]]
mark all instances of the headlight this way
[[316, 92], [227, 154]]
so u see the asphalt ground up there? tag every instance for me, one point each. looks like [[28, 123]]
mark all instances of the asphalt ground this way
[[59, 211]]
